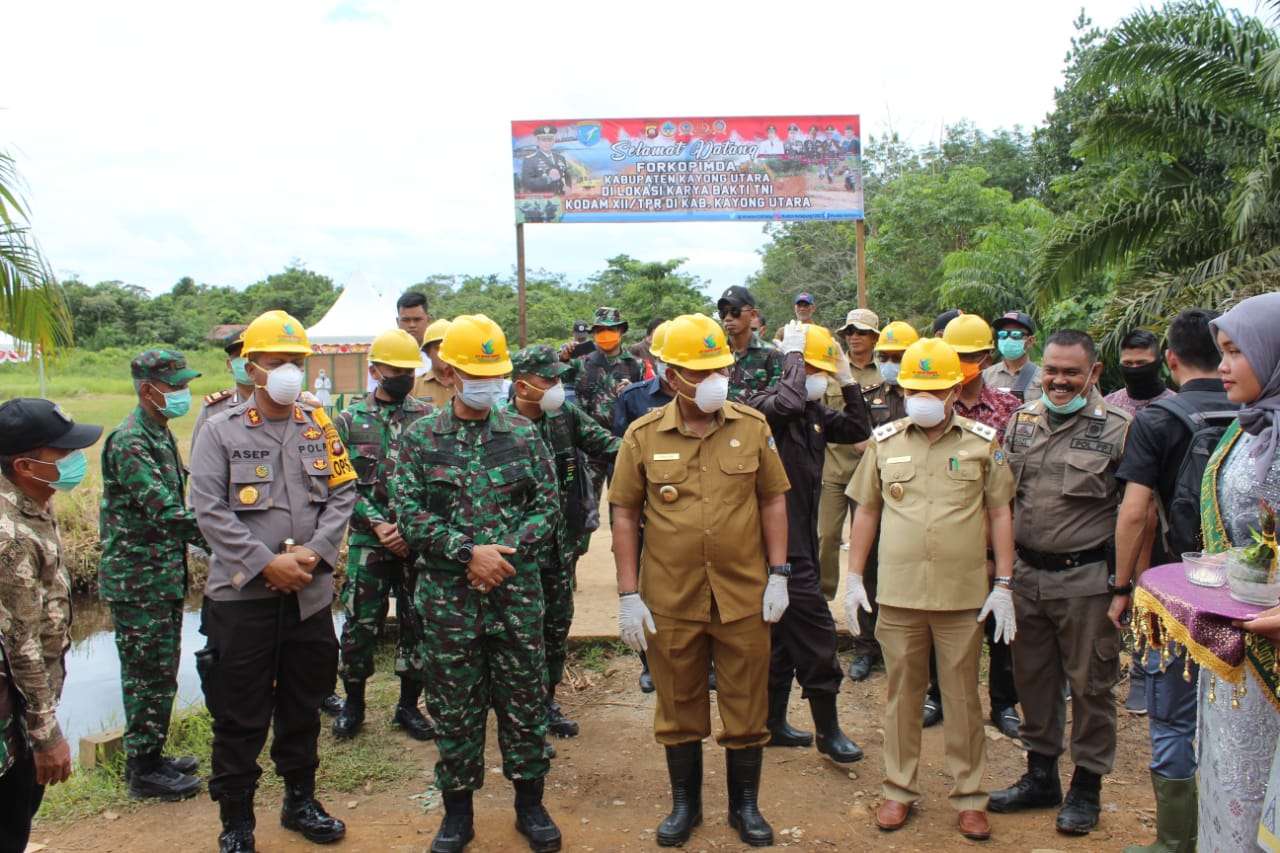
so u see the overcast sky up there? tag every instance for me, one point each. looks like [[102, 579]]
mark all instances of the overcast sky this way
[[222, 140]]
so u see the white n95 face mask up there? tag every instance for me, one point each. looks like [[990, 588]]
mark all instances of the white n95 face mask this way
[[926, 410], [552, 399], [284, 384], [815, 386], [712, 393]]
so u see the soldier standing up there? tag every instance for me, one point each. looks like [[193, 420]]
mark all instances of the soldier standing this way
[[273, 489], [545, 170], [756, 364], [379, 562], [145, 527], [40, 454], [475, 494]]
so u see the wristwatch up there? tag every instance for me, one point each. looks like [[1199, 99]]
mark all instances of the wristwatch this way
[[1127, 589], [465, 553], [1007, 583], [784, 570]]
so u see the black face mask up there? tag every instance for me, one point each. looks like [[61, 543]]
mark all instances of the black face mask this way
[[397, 387], [1143, 382]]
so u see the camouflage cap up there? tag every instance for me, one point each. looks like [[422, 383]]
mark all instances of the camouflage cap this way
[[165, 365], [608, 317], [540, 360]]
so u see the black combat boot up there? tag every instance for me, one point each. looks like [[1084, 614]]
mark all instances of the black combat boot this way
[[684, 766], [351, 718], [1079, 814], [236, 810], [744, 796], [1039, 787], [332, 705], [780, 731], [303, 813], [832, 742], [532, 820], [147, 776], [407, 715], [458, 827], [557, 723], [187, 764]]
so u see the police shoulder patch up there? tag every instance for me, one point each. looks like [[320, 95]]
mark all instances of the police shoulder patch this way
[[218, 396]]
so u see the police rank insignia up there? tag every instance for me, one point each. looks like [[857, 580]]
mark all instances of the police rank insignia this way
[[311, 433], [669, 494], [262, 470], [297, 415], [254, 416], [320, 464], [896, 491], [248, 495]]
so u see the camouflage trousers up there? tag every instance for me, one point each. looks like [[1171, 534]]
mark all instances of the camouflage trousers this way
[[557, 593], [482, 652], [149, 641], [374, 574]]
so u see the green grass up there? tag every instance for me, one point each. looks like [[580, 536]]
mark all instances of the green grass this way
[[596, 655], [83, 373]]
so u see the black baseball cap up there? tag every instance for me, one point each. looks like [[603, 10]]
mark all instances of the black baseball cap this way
[[581, 327], [940, 322], [28, 423], [1016, 318], [737, 297]]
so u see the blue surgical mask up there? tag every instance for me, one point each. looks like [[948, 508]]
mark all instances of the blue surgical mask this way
[[1011, 349], [238, 373], [1076, 404], [889, 370], [71, 470], [176, 403], [481, 394]]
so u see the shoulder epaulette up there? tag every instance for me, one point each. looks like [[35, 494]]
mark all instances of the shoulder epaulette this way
[[218, 396], [982, 431], [880, 433], [744, 409], [867, 389]]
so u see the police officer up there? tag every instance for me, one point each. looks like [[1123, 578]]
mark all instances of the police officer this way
[[273, 489], [1015, 372], [228, 398], [804, 640], [569, 436], [40, 454], [885, 404], [145, 527], [932, 484], [475, 494], [545, 170], [428, 388], [705, 477], [1064, 450], [379, 562], [756, 364]]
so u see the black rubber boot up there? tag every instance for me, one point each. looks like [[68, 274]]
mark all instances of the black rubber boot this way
[[458, 827], [1079, 814], [532, 820], [407, 716], [303, 813], [684, 766], [236, 810], [557, 723], [744, 796], [352, 717], [780, 731], [147, 777], [832, 742], [1039, 787]]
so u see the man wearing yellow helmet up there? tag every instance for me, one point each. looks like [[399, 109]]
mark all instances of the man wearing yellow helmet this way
[[272, 494], [428, 388], [804, 640], [379, 563], [933, 483], [474, 493]]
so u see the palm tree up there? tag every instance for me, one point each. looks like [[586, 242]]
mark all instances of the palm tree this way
[[32, 307]]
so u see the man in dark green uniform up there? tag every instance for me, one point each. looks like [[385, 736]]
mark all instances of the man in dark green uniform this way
[[475, 494], [757, 364], [379, 562], [145, 527]]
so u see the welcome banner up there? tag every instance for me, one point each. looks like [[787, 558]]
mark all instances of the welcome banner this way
[[723, 168]]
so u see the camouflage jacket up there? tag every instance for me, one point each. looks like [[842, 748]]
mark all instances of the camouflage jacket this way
[[144, 522], [754, 369], [598, 380], [35, 609], [372, 431], [489, 482]]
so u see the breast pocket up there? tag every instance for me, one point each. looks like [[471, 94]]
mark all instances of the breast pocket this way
[[250, 485], [1088, 475], [318, 472], [364, 458], [900, 484], [668, 483], [739, 477], [965, 478], [512, 482]]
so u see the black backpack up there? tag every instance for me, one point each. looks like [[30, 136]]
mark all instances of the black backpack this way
[[1180, 520]]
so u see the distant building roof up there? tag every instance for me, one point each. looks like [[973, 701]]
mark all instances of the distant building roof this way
[[225, 333]]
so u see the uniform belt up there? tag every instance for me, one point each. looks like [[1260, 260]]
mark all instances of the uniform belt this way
[[1060, 562]]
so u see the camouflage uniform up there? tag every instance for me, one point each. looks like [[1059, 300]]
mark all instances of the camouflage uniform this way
[[754, 369], [371, 430], [489, 482]]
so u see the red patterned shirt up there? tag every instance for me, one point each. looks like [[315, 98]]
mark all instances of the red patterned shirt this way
[[994, 409]]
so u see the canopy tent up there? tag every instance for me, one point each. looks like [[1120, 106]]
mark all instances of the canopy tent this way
[[357, 317], [13, 350]]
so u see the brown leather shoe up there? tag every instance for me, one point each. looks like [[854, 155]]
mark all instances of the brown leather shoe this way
[[892, 815], [974, 825]]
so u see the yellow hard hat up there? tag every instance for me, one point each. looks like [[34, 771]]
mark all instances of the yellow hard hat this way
[[968, 333], [275, 331], [395, 348], [819, 349], [659, 338], [930, 364], [896, 337], [435, 332], [475, 344], [697, 342]]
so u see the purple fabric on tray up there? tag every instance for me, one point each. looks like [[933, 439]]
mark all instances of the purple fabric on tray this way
[[1205, 612]]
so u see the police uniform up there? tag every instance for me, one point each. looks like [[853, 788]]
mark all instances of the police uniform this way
[[219, 401], [1064, 518], [703, 568], [933, 499]]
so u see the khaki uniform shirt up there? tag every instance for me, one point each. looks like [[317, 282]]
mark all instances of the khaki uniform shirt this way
[[1001, 377], [840, 460], [1067, 492], [700, 495], [932, 499], [428, 389]]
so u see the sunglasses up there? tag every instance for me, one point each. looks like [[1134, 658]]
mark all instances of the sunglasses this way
[[1011, 334], [863, 333], [731, 312]]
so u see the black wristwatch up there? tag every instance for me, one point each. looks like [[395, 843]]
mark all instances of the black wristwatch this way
[[465, 553], [784, 570], [1127, 589]]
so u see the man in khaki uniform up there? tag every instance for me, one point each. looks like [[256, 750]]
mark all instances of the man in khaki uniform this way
[[935, 482], [1064, 450], [706, 478], [427, 388]]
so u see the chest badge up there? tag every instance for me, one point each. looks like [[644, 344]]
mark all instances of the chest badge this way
[[669, 494], [733, 442], [311, 433], [896, 491], [262, 470], [248, 495]]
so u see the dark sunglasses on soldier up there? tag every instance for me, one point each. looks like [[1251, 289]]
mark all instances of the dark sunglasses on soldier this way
[[735, 311], [1011, 334]]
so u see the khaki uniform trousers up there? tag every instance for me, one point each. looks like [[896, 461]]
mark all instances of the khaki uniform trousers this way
[[833, 511], [905, 637], [680, 653]]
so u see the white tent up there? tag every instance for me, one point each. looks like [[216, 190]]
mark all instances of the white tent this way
[[13, 350], [359, 315]]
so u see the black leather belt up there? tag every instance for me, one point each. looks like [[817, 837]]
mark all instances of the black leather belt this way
[[1060, 562]]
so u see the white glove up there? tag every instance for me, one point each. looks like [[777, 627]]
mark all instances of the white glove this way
[[776, 598], [1000, 602], [306, 398], [793, 335], [854, 597], [844, 373], [633, 618]]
